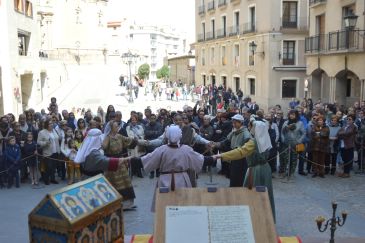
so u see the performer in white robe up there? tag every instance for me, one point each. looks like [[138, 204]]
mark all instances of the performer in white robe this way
[[173, 159]]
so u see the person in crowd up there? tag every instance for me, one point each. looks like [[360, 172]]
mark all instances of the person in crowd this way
[[136, 131], [12, 157], [71, 121], [109, 110], [113, 146], [274, 138], [29, 152], [153, 130], [207, 132], [174, 160], [320, 146], [236, 138], [256, 150], [91, 157], [20, 138], [101, 114], [48, 140], [61, 129], [347, 135], [331, 160], [292, 134], [81, 126]]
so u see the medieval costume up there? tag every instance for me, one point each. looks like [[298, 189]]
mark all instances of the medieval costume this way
[[92, 160], [256, 150], [173, 160]]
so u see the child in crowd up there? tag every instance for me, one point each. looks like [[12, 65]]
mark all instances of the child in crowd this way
[[73, 169], [79, 138], [29, 151], [12, 158]]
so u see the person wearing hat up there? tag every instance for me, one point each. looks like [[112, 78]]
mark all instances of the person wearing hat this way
[[235, 139]]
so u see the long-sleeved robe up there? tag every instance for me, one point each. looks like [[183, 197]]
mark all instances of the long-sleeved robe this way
[[258, 167], [178, 159]]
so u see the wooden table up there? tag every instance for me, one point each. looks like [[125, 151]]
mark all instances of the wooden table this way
[[337, 240], [261, 214]]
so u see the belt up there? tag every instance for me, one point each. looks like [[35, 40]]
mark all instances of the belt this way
[[170, 172]]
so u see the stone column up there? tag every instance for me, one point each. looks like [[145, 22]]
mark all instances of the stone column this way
[[332, 95]]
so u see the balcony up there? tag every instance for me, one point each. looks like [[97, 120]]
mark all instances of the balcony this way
[[315, 43], [234, 30], [294, 24], [248, 28], [235, 1], [221, 33], [313, 3], [201, 10], [211, 6], [222, 3], [201, 37], [337, 41], [210, 35]]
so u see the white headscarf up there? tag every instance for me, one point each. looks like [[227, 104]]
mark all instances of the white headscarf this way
[[262, 136], [93, 141], [174, 135]]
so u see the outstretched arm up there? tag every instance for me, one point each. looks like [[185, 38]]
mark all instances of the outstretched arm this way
[[239, 153]]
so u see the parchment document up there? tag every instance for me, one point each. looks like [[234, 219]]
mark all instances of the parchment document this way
[[186, 224], [201, 224], [230, 224]]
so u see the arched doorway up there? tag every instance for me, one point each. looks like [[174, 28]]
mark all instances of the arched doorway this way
[[347, 88], [26, 82], [320, 85]]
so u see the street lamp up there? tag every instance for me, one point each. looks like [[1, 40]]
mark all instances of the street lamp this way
[[129, 58], [350, 23], [253, 47], [306, 83]]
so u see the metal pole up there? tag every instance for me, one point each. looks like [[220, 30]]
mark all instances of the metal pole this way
[[130, 83], [289, 164]]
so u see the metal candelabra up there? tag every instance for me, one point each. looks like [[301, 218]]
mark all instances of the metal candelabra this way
[[333, 222]]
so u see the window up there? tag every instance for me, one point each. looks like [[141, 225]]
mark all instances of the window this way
[[213, 27], [237, 23], [203, 30], [252, 19], [23, 42], [224, 24], [236, 54], [212, 56], [223, 55], [289, 53], [290, 14], [252, 84], [29, 9], [289, 88], [18, 6]]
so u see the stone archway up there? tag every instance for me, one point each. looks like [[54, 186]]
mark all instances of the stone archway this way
[[26, 82], [347, 88], [320, 85]]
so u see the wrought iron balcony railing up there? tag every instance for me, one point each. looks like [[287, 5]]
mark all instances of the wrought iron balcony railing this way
[[201, 9], [314, 2], [222, 3], [211, 5], [341, 40]]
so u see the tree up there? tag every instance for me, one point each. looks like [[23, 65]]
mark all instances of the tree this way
[[163, 73], [144, 71]]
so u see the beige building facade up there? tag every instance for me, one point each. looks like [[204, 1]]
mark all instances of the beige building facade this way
[[182, 68], [335, 51], [253, 45], [42, 44]]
